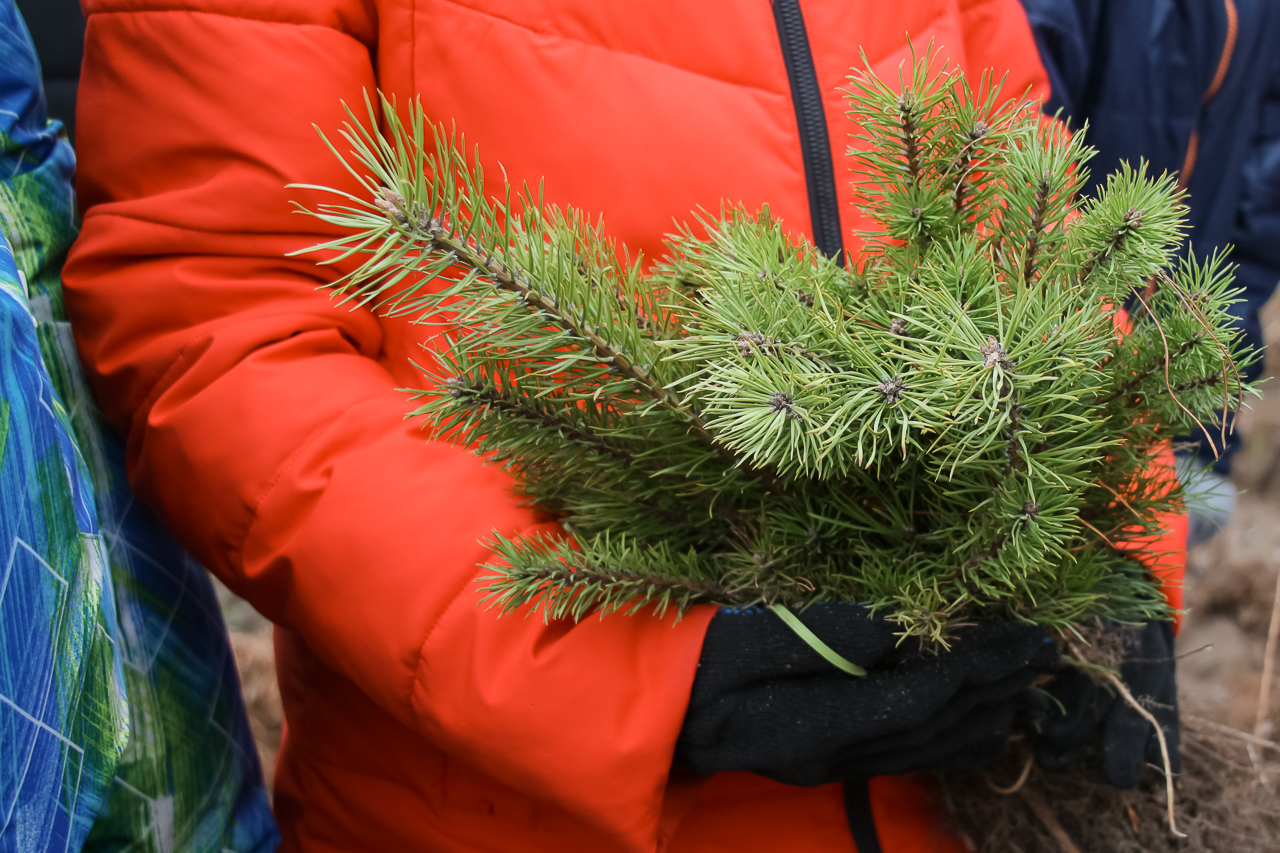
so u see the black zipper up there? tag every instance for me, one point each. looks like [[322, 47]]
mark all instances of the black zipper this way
[[815, 144]]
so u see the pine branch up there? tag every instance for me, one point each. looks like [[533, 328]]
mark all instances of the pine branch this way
[[481, 395], [1147, 372], [1120, 236], [719, 507], [964, 165], [572, 591], [606, 576], [433, 234], [950, 428], [561, 315]]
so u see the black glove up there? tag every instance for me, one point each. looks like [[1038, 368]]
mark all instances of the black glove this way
[[1128, 740], [764, 701]]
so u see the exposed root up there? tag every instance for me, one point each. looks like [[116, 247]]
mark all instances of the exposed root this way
[[1221, 805], [1022, 778], [1106, 672], [1164, 748], [1049, 818]]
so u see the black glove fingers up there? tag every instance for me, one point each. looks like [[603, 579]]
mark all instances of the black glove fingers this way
[[799, 729], [1124, 746], [1066, 720], [1129, 740], [975, 740], [978, 669], [974, 708], [764, 701], [852, 631], [991, 651]]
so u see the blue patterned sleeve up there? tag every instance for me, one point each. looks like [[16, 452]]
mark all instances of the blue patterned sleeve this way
[[63, 716], [97, 601]]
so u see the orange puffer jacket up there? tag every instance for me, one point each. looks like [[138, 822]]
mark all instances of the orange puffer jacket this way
[[265, 426]]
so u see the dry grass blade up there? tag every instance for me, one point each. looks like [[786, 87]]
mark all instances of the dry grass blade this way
[[1268, 664], [1228, 730], [1261, 726]]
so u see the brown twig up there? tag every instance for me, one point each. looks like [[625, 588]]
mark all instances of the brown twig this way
[[1196, 651], [1120, 498], [1229, 730], [1047, 817], [1099, 532]]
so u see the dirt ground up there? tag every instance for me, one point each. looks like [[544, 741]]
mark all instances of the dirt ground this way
[[1231, 586]]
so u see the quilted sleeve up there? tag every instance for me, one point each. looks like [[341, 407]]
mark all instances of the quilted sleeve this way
[[270, 439]]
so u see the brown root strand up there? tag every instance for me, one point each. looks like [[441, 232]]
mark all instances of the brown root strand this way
[[1045, 814], [1167, 359], [1022, 778], [1164, 748], [1221, 806]]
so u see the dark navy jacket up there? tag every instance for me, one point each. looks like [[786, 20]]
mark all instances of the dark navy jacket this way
[[1145, 75]]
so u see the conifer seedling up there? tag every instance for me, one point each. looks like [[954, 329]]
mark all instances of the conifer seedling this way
[[964, 421]]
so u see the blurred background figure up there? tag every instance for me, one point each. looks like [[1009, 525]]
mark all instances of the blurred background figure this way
[[1193, 88], [98, 605]]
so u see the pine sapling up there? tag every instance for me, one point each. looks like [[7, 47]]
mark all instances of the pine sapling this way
[[964, 421]]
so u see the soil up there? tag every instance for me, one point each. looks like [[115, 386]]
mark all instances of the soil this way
[[256, 660]]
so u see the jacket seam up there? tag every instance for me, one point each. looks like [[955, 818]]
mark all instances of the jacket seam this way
[[158, 387], [638, 56], [154, 389], [415, 675], [278, 476], [95, 213], [310, 441]]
